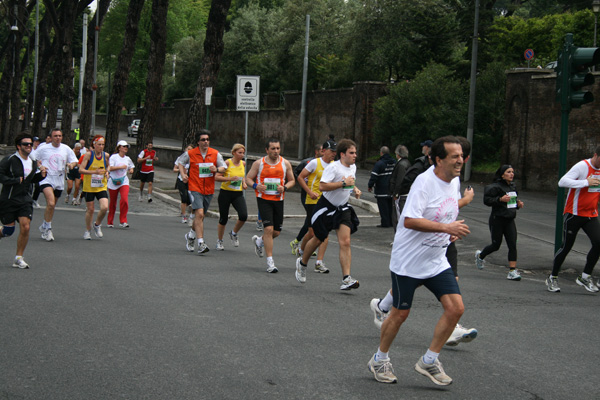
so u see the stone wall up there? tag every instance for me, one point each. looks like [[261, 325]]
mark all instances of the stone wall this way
[[345, 113], [531, 141]]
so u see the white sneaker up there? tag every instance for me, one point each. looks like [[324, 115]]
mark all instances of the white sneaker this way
[[124, 225], [300, 271], [478, 261], [321, 268], [189, 242], [349, 283], [258, 249], [434, 371], [461, 335], [220, 245], [184, 219], [36, 204], [202, 248], [67, 199], [47, 235], [382, 370], [271, 268], [20, 263], [379, 315], [234, 239], [87, 235], [587, 283], [110, 225], [141, 198], [98, 230], [513, 275]]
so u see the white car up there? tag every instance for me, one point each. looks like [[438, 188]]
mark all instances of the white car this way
[[132, 130]]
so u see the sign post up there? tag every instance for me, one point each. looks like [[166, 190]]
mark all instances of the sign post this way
[[247, 99], [528, 56], [207, 100]]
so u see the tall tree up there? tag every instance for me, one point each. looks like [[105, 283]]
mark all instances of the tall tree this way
[[211, 62], [156, 62], [122, 73], [85, 119]]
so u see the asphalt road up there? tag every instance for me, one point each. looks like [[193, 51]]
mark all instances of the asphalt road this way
[[135, 316]]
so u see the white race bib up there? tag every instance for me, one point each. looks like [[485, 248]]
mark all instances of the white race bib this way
[[512, 202], [96, 181], [271, 184], [204, 170]]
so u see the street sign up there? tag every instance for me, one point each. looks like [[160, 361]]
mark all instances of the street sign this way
[[207, 96], [529, 54], [247, 94]]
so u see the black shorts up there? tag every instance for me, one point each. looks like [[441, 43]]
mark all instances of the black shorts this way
[[149, 177], [326, 218], [90, 196], [74, 174], [403, 287], [11, 211], [271, 213], [57, 192], [183, 191]]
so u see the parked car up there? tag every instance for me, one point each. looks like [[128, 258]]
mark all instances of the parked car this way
[[59, 114], [551, 65], [132, 130]]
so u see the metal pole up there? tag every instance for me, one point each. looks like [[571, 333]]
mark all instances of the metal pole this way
[[302, 135], [246, 139], [471, 115], [595, 32], [82, 62], [95, 71]]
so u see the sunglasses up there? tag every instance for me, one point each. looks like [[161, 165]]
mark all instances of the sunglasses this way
[[204, 140], [26, 144]]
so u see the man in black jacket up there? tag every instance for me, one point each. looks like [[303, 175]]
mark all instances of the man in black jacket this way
[[18, 173], [402, 165], [380, 179]]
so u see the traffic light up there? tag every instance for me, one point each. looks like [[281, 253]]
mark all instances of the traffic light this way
[[572, 74], [582, 59]]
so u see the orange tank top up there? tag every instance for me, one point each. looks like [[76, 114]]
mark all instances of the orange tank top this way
[[271, 176], [581, 201]]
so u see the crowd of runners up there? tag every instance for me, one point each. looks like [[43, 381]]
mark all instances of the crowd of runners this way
[[425, 198]]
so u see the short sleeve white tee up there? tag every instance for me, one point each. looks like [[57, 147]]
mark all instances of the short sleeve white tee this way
[[27, 165], [54, 159], [119, 177], [336, 172], [418, 254]]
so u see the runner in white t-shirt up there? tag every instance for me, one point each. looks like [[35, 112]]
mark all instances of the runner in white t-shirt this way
[[333, 212], [427, 226], [118, 184], [54, 156]]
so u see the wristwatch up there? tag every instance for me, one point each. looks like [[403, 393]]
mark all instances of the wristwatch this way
[[343, 184]]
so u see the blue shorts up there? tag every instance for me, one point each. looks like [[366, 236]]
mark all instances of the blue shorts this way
[[403, 287], [200, 201]]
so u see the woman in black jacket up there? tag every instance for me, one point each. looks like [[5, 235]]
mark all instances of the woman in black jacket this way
[[502, 197]]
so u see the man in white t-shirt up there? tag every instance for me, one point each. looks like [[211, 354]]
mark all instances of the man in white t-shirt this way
[[54, 156], [427, 226], [333, 212]]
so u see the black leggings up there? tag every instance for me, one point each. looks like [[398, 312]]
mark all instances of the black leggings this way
[[571, 225], [500, 226], [234, 198]]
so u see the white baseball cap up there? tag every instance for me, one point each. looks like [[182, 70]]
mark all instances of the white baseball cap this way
[[122, 143]]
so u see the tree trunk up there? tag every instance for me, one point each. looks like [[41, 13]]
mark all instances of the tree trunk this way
[[156, 63], [47, 56], [122, 73], [85, 119], [17, 73], [211, 63]]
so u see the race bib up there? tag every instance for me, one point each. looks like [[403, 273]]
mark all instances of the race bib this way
[[149, 162], [271, 184], [593, 189], [235, 184], [512, 202], [204, 170], [97, 181]]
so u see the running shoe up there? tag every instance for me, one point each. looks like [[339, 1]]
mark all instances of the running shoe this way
[[271, 268], [184, 219], [20, 263], [259, 226], [349, 283], [587, 283], [149, 198], [382, 370], [124, 225], [321, 268], [47, 235], [220, 245], [74, 202], [257, 249], [294, 245], [478, 261], [461, 335], [202, 248], [434, 371], [234, 239], [36, 204], [87, 235], [552, 284], [67, 199], [300, 271], [513, 275], [379, 315], [141, 198], [189, 242], [98, 230], [110, 225]]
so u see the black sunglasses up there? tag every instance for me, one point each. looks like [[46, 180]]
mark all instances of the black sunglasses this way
[[204, 140], [26, 144]]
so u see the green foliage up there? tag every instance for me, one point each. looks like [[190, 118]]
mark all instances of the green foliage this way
[[188, 64], [432, 105], [489, 113]]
